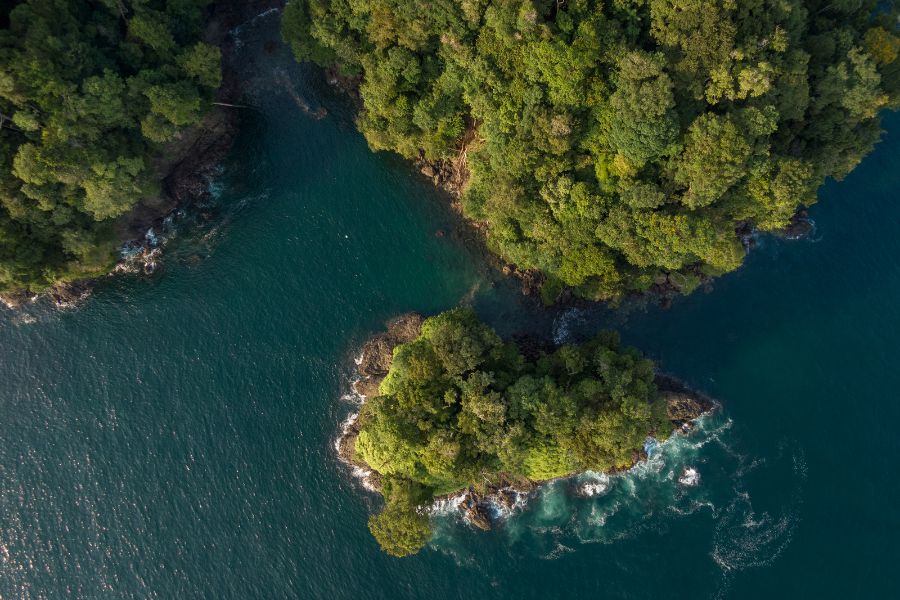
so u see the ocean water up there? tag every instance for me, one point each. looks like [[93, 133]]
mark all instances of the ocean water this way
[[171, 437]]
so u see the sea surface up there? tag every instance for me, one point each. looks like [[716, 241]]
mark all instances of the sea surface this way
[[172, 436]]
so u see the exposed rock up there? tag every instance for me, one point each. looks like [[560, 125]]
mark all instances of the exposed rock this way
[[367, 387], [346, 444], [590, 486], [451, 174], [507, 498], [67, 295], [799, 227], [531, 279], [681, 408], [376, 356], [476, 510], [16, 298], [683, 405], [378, 352], [744, 231]]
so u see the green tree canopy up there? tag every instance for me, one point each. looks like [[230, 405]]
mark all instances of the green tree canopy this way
[[616, 142], [460, 407], [88, 91]]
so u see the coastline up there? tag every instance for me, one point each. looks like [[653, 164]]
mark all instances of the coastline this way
[[184, 166], [484, 506], [452, 176]]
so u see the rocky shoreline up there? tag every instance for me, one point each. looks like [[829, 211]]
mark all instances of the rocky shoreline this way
[[485, 506], [184, 166], [452, 176]]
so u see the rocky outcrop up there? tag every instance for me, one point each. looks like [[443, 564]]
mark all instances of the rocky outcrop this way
[[800, 226], [531, 280], [484, 509], [67, 295], [681, 408], [377, 353], [476, 510], [63, 295], [451, 174], [16, 298], [683, 405]]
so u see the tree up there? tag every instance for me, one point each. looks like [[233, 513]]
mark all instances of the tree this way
[[91, 89], [617, 142], [400, 532], [715, 156], [644, 124], [482, 413]]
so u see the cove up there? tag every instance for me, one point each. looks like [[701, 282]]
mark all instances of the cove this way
[[172, 437]]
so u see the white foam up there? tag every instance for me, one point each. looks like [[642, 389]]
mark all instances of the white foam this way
[[239, 30], [594, 484], [689, 477], [449, 505], [346, 424], [365, 477]]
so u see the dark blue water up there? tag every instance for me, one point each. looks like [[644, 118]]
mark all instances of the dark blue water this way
[[172, 437]]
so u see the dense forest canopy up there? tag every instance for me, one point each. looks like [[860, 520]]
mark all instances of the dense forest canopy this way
[[90, 91], [618, 143], [459, 407]]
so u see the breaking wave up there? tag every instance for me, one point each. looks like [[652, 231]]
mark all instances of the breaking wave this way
[[699, 476]]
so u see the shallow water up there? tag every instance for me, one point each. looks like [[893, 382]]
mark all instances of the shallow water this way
[[172, 437]]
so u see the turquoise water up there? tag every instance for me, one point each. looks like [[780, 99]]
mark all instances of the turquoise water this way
[[172, 437]]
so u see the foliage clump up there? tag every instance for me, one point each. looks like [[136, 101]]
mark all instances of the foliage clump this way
[[619, 141], [460, 407], [89, 92]]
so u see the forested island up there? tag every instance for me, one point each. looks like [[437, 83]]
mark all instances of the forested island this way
[[450, 406], [96, 99], [616, 146]]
